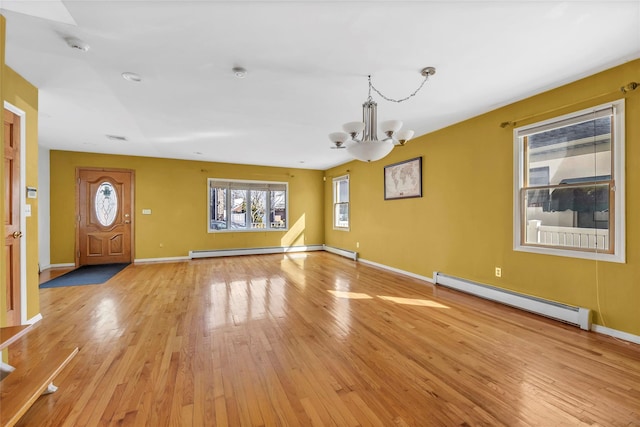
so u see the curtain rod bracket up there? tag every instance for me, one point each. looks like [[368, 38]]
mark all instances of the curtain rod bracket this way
[[629, 87]]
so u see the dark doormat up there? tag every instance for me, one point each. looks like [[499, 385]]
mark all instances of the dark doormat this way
[[85, 275]]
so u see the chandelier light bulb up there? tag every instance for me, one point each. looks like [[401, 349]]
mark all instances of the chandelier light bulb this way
[[353, 128], [390, 127], [339, 137], [404, 136]]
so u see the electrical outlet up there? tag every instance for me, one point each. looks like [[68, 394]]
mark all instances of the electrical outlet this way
[[498, 272]]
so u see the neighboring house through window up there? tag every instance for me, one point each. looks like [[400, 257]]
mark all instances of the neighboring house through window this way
[[236, 205], [341, 202], [569, 185]]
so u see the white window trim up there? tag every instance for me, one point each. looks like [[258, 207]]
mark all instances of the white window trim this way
[[246, 230], [333, 204], [619, 252]]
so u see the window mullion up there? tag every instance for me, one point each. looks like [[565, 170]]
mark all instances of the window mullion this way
[[267, 209], [228, 206], [247, 210]]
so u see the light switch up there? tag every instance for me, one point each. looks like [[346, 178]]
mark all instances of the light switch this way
[[27, 210], [146, 211]]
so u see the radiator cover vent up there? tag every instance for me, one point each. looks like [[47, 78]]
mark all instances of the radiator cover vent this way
[[569, 314]]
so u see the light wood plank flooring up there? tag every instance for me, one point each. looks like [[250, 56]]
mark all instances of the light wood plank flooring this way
[[316, 339], [52, 273]]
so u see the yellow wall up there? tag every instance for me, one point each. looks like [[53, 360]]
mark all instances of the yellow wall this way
[[23, 95], [462, 226], [176, 193]]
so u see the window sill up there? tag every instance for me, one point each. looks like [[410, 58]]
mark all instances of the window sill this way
[[252, 230], [596, 256]]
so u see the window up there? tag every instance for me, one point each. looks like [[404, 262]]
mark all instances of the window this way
[[341, 202], [106, 204], [247, 205], [569, 185]]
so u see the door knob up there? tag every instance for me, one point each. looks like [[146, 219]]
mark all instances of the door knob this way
[[127, 222], [17, 234]]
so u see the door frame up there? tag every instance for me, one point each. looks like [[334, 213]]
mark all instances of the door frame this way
[[76, 251], [23, 201]]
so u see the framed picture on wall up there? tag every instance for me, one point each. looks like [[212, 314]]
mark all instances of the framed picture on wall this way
[[403, 180]]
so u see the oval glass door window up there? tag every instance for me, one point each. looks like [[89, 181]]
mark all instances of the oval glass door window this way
[[106, 204]]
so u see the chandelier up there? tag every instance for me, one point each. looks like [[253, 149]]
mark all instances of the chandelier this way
[[361, 139]]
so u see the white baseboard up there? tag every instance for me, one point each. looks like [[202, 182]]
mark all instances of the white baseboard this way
[[34, 319], [252, 251], [397, 270], [165, 259], [615, 333], [62, 265], [342, 252]]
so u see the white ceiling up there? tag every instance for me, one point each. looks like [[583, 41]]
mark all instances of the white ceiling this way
[[307, 65]]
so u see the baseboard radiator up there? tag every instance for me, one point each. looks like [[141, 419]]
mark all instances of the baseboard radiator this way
[[566, 313], [253, 251], [342, 252]]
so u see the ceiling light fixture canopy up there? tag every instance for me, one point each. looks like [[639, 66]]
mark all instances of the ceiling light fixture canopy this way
[[361, 138]]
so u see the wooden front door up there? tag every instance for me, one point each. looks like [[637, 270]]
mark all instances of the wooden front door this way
[[13, 232], [105, 220]]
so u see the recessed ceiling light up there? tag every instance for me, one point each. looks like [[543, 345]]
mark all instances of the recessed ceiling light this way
[[132, 77], [198, 153], [239, 72], [76, 43], [116, 137]]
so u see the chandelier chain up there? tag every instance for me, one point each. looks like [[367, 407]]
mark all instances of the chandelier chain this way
[[371, 86]]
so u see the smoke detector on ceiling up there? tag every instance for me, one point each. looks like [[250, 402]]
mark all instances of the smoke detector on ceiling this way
[[239, 72], [116, 137], [132, 77], [76, 43]]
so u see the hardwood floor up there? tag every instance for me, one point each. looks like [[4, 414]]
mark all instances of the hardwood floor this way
[[316, 339], [52, 273]]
